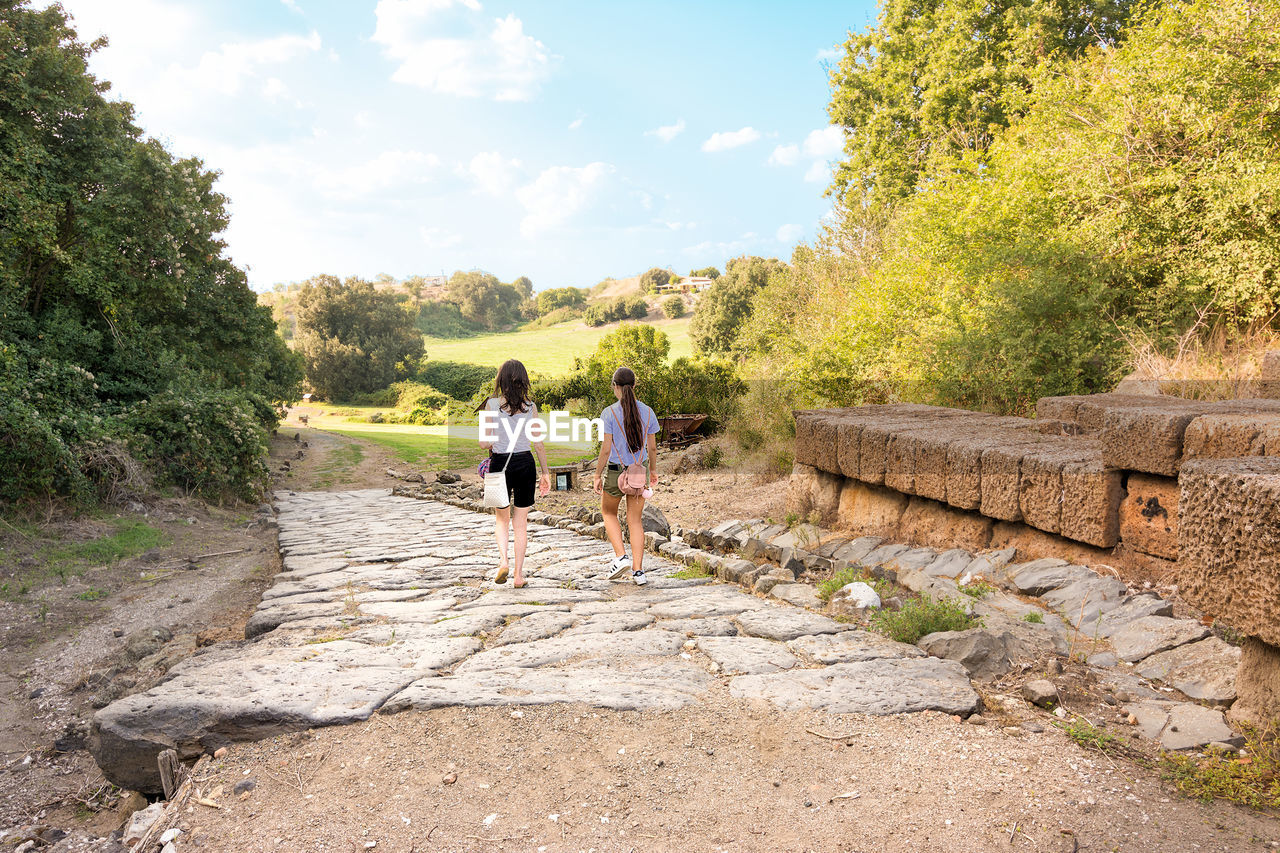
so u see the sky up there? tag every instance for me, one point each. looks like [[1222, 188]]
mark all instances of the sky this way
[[567, 141]]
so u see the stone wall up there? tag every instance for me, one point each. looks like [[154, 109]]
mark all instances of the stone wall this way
[[1157, 487]]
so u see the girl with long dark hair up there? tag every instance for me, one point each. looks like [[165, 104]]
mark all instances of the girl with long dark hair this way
[[514, 410], [630, 430]]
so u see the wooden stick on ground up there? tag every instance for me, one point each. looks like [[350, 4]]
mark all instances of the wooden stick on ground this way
[[173, 811]]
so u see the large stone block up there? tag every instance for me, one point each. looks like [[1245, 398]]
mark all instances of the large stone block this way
[[933, 450], [1032, 544], [1001, 475], [826, 444], [811, 491], [847, 434], [1229, 542], [1040, 484], [1257, 684], [926, 522], [1058, 408], [1091, 412], [1149, 515], [867, 510], [1091, 496], [1224, 436], [964, 468], [1147, 439]]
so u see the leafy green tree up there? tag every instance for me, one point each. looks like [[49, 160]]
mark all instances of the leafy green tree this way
[[936, 79], [726, 304], [654, 278], [355, 339], [673, 306], [708, 272], [560, 297], [524, 286], [112, 269], [484, 300]]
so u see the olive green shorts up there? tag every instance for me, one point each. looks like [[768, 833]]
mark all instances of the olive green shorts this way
[[611, 481]]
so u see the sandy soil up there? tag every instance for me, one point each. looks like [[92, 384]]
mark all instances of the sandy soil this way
[[722, 776]]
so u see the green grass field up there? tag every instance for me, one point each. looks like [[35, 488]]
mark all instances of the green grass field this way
[[431, 446], [549, 351]]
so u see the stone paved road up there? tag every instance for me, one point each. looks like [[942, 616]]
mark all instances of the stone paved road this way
[[386, 603]]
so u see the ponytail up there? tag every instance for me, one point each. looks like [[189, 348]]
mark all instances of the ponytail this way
[[625, 379]]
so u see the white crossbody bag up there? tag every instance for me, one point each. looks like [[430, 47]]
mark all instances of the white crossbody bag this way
[[496, 495]]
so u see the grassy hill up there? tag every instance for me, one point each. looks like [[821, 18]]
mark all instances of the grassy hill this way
[[548, 351]]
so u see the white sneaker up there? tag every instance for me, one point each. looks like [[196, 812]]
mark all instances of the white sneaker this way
[[639, 578], [619, 566]]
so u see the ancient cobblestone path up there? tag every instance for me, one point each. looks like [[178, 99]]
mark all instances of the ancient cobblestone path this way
[[387, 603]]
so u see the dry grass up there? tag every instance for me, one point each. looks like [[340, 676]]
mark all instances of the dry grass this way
[[1208, 363]]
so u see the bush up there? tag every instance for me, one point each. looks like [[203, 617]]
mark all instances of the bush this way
[[920, 618], [673, 306], [444, 320], [208, 442], [455, 378], [846, 576]]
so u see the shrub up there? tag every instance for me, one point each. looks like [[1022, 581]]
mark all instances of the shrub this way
[[920, 618], [846, 576], [673, 306], [444, 320], [457, 379], [713, 458], [208, 442]]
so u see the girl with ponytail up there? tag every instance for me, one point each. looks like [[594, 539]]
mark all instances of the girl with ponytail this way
[[630, 430]]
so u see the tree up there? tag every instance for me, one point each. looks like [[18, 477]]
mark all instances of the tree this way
[[355, 338], [673, 306], [484, 300], [524, 286], [560, 297], [726, 304], [654, 278], [935, 79], [707, 272]]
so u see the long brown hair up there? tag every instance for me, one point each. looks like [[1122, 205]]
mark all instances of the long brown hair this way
[[625, 379], [512, 386]]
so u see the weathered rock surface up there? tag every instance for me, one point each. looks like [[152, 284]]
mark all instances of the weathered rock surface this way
[[984, 654], [1180, 725], [785, 624], [1040, 692], [746, 654], [799, 594], [854, 598], [1144, 637], [850, 646], [882, 686], [1204, 670]]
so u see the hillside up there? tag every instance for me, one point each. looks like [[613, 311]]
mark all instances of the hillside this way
[[548, 351], [612, 288]]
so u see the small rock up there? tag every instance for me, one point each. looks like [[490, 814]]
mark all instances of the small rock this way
[[1040, 692], [1222, 746], [169, 835], [855, 596], [1054, 667], [1013, 731], [117, 632], [450, 778], [1033, 727], [244, 786], [808, 803], [220, 752], [977, 720], [1060, 712], [1123, 696]]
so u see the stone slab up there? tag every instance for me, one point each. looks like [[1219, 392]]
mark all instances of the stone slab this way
[[1147, 439], [579, 647], [708, 601], [850, 646], [1180, 725], [880, 686], [798, 594], [1148, 635], [712, 626], [785, 623], [745, 655], [1133, 608], [1204, 670]]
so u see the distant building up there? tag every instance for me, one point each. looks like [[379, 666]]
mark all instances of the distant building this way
[[692, 284]]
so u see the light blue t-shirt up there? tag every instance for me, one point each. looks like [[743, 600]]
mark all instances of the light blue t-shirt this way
[[615, 425]]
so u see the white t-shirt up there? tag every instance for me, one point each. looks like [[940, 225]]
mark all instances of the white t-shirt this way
[[513, 422]]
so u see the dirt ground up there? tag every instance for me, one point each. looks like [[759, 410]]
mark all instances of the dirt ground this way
[[724, 775]]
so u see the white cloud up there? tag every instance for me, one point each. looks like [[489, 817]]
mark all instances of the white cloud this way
[[829, 54], [576, 123], [667, 132], [818, 171], [493, 58], [723, 248], [785, 155], [292, 6], [493, 173], [558, 193], [274, 89], [789, 233], [725, 140], [225, 70], [388, 170], [439, 238], [825, 143]]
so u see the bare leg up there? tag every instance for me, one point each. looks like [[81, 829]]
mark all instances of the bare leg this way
[[635, 521], [521, 522], [609, 507], [502, 518]]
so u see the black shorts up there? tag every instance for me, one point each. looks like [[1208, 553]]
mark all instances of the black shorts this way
[[522, 476]]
